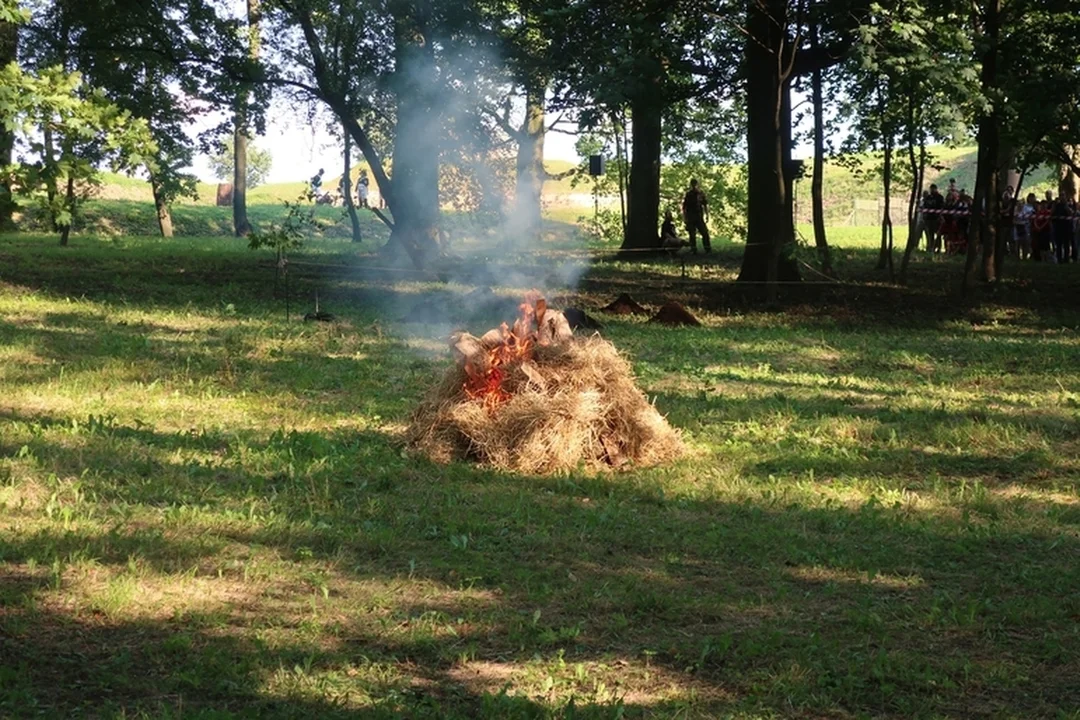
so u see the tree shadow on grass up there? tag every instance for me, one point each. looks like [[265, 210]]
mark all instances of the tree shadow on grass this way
[[757, 606], [925, 460]]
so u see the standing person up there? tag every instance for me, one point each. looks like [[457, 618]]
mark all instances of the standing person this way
[[1076, 229], [695, 208], [1063, 230], [1006, 224], [362, 189], [964, 204], [1041, 233], [1022, 219], [932, 207]]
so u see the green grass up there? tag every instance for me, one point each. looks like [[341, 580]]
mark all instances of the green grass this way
[[206, 510]]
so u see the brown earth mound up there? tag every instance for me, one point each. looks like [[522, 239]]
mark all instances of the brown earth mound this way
[[625, 305], [676, 315]]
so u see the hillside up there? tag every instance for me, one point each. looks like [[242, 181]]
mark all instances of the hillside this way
[[124, 205]]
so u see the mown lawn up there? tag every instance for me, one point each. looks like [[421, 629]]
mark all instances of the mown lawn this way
[[206, 510]]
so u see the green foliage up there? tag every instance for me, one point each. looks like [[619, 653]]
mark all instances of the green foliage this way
[[298, 224], [86, 130], [259, 162]]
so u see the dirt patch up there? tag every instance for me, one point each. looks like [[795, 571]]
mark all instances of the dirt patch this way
[[625, 305], [675, 315]]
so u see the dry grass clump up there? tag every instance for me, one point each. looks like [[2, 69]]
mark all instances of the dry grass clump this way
[[573, 404]]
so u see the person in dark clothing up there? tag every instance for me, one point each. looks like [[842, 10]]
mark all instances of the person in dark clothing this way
[[1063, 230], [1041, 233], [669, 239], [934, 202], [695, 208]]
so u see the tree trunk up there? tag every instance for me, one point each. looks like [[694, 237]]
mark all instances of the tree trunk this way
[[787, 145], [885, 259], [241, 226], [528, 193], [69, 203], [817, 184], [49, 163], [644, 204], [619, 130], [764, 138], [164, 215], [415, 197], [9, 52], [346, 190], [986, 206], [916, 220], [1067, 180]]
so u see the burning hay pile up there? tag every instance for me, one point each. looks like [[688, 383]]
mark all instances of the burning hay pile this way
[[533, 398]]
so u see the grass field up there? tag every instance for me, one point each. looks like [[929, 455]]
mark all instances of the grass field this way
[[206, 510]]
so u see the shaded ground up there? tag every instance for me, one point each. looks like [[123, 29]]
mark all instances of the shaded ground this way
[[205, 510]]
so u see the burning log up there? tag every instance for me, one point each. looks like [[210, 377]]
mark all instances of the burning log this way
[[533, 398]]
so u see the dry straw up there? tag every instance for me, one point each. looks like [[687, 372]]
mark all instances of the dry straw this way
[[573, 405]]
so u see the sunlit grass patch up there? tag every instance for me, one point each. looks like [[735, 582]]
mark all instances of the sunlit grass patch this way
[[207, 508]]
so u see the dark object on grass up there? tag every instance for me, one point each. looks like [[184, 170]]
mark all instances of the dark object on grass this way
[[318, 315], [625, 305], [674, 314], [578, 319]]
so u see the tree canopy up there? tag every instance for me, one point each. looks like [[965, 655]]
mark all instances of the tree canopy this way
[[437, 92]]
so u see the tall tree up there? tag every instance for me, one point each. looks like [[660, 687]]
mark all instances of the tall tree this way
[[347, 190], [9, 53], [774, 55], [412, 62], [647, 58], [817, 183], [242, 131]]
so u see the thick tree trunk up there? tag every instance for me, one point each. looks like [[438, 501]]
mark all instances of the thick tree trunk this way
[[346, 190], [985, 209], [9, 52], [1068, 185], [644, 203], [417, 147], [164, 215], [817, 183], [768, 201], [241, 226], [528, 192]]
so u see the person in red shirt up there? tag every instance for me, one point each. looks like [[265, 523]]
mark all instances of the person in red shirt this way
[[1042, 246]]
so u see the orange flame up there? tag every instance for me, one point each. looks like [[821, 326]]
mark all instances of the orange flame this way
[[485, 385]]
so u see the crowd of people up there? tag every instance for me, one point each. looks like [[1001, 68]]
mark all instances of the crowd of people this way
[[1046, 230]]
